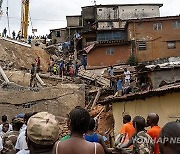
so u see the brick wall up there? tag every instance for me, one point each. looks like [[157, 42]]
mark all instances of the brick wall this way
[[99, 56]]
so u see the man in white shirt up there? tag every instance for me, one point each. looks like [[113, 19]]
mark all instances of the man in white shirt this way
[[1, 144], [21, 143], [23, 152], [127, 74]]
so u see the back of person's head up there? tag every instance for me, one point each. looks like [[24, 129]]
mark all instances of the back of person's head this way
[[4, 118], [17, 123], [152, 119], [139, 123], [79, 120], [169, 138], [92, 124], [27, 116], [42, 132], [126, 118]]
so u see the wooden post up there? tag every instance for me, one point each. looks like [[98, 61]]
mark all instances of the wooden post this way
[[96, 98]]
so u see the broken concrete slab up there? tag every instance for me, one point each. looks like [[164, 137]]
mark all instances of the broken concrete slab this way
[[94, 77], [58, 100], [16, 42]]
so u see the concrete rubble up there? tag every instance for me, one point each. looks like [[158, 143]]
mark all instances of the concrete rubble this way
[[57, 95]]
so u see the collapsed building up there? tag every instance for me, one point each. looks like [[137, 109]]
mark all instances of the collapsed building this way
[[17, 97]]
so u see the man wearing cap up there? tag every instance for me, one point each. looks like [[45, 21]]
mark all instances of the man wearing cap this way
[[42, 133]]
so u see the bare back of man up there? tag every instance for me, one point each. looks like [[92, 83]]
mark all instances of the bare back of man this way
[[76, 145]]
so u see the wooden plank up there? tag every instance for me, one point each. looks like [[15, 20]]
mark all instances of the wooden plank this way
[[96, 98]]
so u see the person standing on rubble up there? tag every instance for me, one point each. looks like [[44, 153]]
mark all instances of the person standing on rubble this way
[[61, 68], [14, 34], [38, 65], [127, 74], [111, 74], [33, 82], [4, 32], [119, 87], [84, 61], [51, 64]]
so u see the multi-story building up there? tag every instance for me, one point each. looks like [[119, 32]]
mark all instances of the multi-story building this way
[[149, 39], [111, 33], [155, 38], [59, 34], [104, 22]]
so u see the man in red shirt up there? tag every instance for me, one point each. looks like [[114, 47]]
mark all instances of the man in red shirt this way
[[154, 131]]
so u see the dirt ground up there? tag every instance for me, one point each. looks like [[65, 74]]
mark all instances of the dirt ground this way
[[20, 57]]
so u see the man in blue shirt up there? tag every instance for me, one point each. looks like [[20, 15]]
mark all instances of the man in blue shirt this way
[[119, 87]]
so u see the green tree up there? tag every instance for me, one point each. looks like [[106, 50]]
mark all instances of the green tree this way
[[133, 61]]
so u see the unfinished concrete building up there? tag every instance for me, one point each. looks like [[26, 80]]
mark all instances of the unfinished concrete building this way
[[59, 34], [108, 18]]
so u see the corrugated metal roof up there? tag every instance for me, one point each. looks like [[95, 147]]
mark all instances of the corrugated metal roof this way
[[171, 88]]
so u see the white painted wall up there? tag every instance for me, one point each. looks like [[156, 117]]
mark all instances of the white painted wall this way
[[134, 12], [107, 13], [127, 12]]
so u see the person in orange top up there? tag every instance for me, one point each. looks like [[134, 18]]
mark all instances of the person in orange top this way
[[128, 128], [154, 131]]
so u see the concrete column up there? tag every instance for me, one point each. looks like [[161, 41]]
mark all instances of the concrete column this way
[[4, 75]]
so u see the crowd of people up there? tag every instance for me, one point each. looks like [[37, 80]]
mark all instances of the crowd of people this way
[[38, 133], [133, 135], [63, 68], [18, 36], [66, 67]]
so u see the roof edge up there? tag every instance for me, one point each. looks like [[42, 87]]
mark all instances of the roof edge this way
[[111, 5]]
